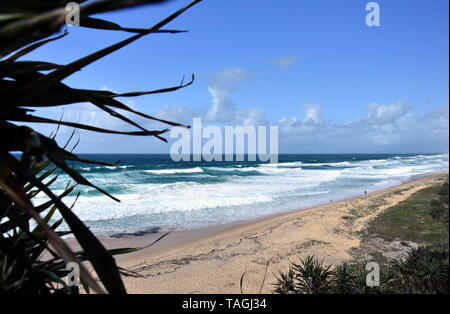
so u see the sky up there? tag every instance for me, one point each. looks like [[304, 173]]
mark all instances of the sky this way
[[313, 68]]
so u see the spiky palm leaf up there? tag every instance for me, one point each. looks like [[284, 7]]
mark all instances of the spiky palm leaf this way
[[26, 25]]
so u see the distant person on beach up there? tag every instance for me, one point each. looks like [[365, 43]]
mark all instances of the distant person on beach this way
[[365, 192]]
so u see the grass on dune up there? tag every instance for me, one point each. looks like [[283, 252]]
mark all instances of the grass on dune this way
[[410, 220], [421, 218]]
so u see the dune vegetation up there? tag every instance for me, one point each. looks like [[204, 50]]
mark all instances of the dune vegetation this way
[[421, 219]]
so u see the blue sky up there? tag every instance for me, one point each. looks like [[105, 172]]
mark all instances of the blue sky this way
[[313, 67]]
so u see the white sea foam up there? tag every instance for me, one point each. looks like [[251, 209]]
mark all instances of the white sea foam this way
[[173, 171], [330, 164], [106, 167], [281, 187], [284, 164]]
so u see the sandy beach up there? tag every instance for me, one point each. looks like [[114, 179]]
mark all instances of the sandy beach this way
[[212, 260]]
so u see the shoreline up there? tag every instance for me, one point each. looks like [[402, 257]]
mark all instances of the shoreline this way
[[177, 238], [212, 261]]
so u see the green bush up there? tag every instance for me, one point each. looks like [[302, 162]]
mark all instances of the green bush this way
[[422, 270], [439, 207], [26, 25]]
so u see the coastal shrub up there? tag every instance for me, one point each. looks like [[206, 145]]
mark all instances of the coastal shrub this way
[[439, 206], [22, 269], [423, 270], [285, 282], [312, 276], [27, 85]]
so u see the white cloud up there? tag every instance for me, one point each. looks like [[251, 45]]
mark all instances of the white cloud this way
[[230, 77], [285, 62], [252, 116], [313, 113], [223, 85], [386, 128], [222, 109], [388, 113], [179, 114]]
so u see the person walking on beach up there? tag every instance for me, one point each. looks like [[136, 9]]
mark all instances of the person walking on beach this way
[[365, 192]]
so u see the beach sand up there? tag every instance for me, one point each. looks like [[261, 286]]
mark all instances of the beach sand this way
[[213, 260]]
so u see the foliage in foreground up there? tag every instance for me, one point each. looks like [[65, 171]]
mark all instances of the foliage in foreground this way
[[27, 263], [26, 25], [439, 206], [22, 267], [423, 270]]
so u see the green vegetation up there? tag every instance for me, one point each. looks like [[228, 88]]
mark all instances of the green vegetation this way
[[21, 268], [439, 206], [423, 270], [25, 86], [412, 219], [422, 218]]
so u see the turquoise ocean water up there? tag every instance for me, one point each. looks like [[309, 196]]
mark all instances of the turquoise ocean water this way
[[159, 194]]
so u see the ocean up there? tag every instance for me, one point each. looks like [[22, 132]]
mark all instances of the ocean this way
[[158, 194]]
